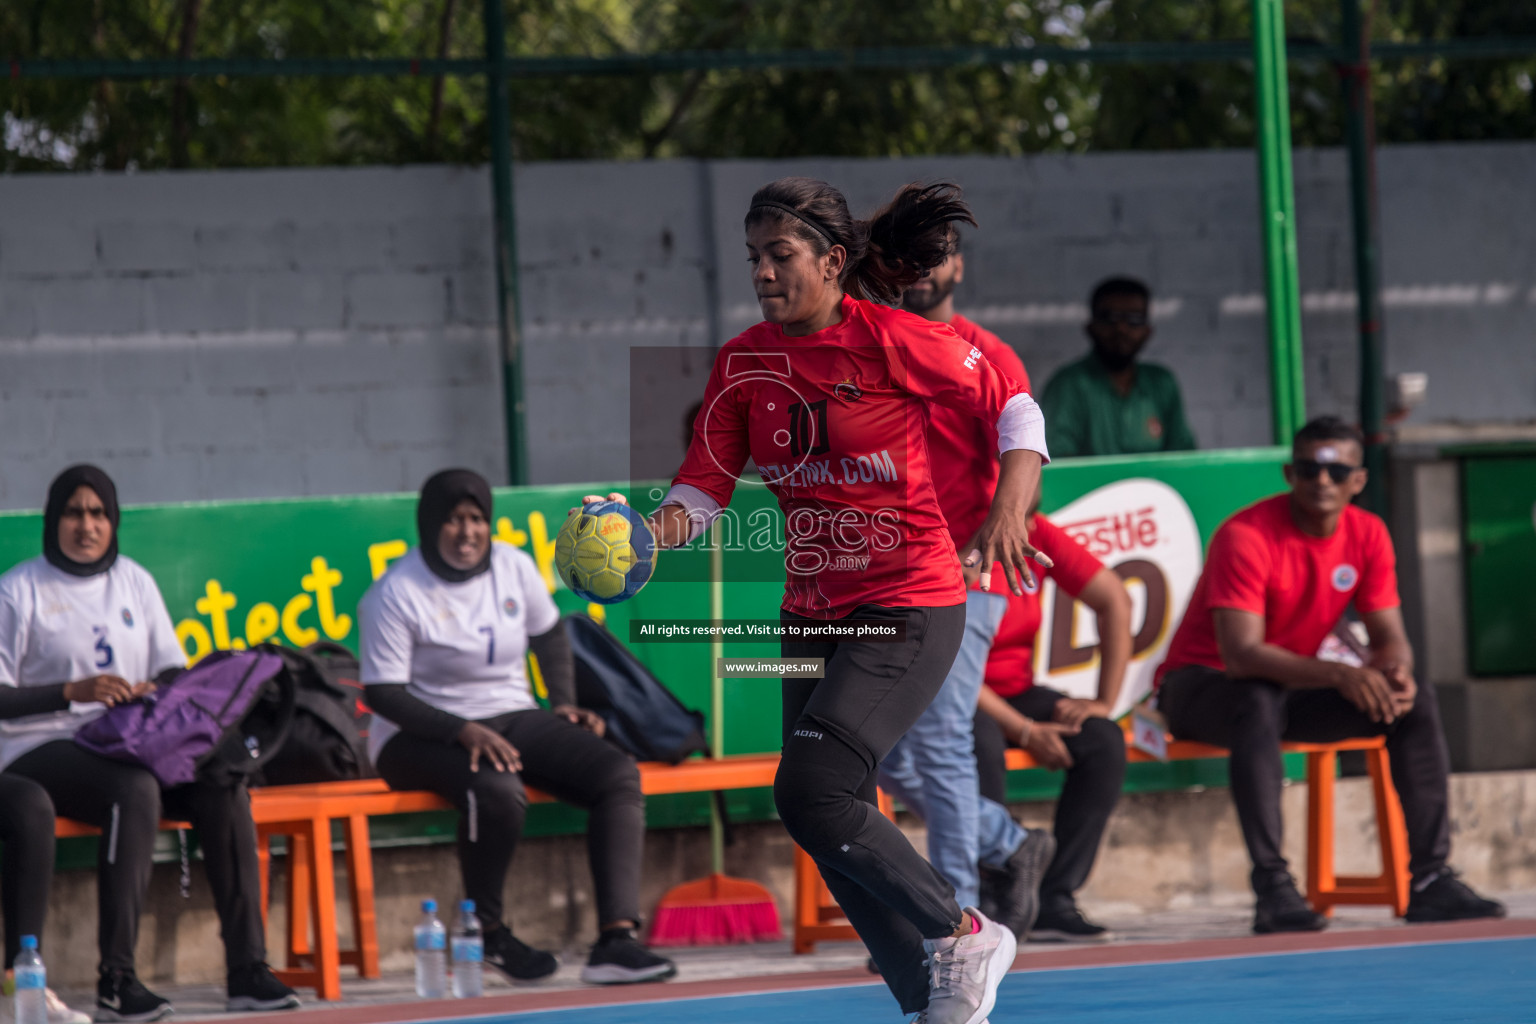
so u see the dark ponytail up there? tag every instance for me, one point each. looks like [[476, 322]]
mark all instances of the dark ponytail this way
[[906, 238]]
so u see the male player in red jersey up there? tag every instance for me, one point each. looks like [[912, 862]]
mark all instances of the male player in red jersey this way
[[1242, 671], [1062, 732], [829, 397], [932, 770]]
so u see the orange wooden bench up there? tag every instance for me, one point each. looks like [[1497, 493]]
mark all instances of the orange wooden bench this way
[[303, 815], [818, 919]]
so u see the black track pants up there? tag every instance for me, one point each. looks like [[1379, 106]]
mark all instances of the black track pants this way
[[1088, 796], [836, 731], [560, 758], [126, 803], [1251, 717], [26, 829]]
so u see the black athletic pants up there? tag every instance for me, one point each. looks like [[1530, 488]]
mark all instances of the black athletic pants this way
[[1250, 717], [127, 803], [837, 729], [26, 829], [1088, 796], [560, 758]]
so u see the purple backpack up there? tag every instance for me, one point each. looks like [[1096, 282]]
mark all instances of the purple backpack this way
[[193, 723]]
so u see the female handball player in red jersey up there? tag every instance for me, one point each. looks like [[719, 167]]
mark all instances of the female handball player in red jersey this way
[[827, 397]]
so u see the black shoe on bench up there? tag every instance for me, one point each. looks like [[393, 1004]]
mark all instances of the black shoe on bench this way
[[120, 996], [619, 958]]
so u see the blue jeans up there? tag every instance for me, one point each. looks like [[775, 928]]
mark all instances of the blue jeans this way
[[932, 770]]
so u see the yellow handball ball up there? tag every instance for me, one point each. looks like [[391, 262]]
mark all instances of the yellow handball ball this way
[[605, 552]]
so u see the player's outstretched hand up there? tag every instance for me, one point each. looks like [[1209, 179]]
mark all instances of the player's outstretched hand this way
[[1004, 537], [588, 720], [491, 745]]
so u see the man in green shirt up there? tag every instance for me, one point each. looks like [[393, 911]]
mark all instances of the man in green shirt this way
[[1107, 403]]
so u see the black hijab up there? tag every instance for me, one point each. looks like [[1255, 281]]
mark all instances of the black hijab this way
[[60, 491], [440, 495]]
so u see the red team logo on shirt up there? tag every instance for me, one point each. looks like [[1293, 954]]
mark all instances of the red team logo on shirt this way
[[510, 605], [127, 618], [1345, 577]]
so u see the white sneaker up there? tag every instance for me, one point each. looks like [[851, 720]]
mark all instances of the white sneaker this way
[[964, 973], [59, 1013]]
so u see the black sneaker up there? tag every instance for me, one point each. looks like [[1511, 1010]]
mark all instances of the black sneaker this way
[[256, 988], [121, 996], [618, 958], [1063, 922], [1018, 883], [1282, 909], [1447, 898], [516, 959]]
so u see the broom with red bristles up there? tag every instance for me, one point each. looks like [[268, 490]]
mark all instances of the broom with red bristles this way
[[718, 910]]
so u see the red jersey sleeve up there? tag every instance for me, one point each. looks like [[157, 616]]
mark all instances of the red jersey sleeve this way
[[720, 447], [1378, 578], [1237, 569], [932, 362], [1075, 565], [1004, 358]]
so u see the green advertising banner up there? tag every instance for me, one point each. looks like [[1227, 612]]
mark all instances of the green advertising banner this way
[[292, 571]]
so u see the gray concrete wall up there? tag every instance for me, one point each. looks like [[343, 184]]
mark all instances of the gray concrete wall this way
[[1162, 851], [273, 333]]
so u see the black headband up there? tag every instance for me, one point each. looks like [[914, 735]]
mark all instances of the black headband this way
[[821, 228]]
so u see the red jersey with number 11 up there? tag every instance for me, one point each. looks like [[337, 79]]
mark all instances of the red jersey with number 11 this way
[[836, 424]]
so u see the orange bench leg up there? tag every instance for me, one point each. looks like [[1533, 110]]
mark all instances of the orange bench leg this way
[[264, 870], [1321, 884], [327, 953], [1391, 830], [1325, 888], [313, 958], [365, 930], [299, 889]]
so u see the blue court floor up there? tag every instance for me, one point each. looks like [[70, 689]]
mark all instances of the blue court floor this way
[[1489, 981]]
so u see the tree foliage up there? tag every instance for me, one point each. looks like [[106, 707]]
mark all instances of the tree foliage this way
[[77, 124]]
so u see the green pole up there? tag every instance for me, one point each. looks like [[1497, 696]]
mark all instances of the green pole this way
[[716, 691], [499, 118], [1362, 202], [1278, 205]]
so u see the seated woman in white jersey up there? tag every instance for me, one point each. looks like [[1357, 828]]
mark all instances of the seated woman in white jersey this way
[[444, 636], [83, 628]]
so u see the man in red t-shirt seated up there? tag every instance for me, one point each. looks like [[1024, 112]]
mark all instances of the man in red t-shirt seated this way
[[1060, 731], [1242, 673]]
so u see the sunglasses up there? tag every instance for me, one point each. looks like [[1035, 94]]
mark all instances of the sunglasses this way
[[1311, 469]]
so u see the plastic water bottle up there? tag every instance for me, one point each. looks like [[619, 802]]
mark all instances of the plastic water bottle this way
[[431, 954], [468, 952], [31, 983]]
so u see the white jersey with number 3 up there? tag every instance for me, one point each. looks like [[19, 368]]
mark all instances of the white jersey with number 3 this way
[[59, 628], [460, 646]]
